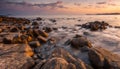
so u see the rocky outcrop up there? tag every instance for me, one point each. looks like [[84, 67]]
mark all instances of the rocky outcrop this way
[[15, 56], [61, 59], [103, 59], [80, 41], [95, 26]]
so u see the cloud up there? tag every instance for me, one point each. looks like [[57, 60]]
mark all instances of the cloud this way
[[57, 4], [77, 4], [54, 5], [101, 3], [112, 4]]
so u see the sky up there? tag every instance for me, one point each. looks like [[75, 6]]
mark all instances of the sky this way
[[58, 7]]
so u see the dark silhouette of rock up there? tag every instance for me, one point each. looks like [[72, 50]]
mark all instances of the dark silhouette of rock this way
[[95, 26], [48, 29], [34, 44], [42, 39], [7, 40], [14, 29], [103, 59], [39, 19]]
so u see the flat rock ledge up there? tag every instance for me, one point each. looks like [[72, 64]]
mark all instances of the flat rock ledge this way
[[14, 57]]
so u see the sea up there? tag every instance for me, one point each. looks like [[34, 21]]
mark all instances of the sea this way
[[108, 39]]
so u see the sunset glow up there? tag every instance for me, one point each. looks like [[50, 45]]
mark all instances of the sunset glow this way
[[35, 7]]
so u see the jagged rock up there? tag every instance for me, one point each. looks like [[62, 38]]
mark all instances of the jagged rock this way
[[39, 19], [117, 26], [80, 42], [94, 26], [48, 29], [42, 39], [13, 57], [61, 59], [42, 33], [14, 29], [34, 44], [103, 59], [35, 23], [52, 40], [7, 40]]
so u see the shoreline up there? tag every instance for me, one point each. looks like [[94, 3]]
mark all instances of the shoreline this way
[[43, 41]]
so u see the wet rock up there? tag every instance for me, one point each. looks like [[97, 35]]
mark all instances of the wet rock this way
[[95, 26], [67, 59], [14, 29], [13, 56], [80, 42], [48, 29], [38, 19], [55, 28], [103, 59], [35, 23], [42, 33], [55, 63], [53, 20], [34, 44], [41, 39], [117, 26], [68, 42], [35, 33], [17, 39], [40, 64], [52, 40], [7, 40]]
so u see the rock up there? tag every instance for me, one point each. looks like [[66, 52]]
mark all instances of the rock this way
[[42, 33], [48, 29], [53, 20], [1, 30], [35, 23], [80, 42], [40, 64], [117, 26], [56, 63], [52, 40], [35, 33], [61, 59], [69, 60], [14, 29], [7, 40], [13, 57], [68, 42], [38, 19], [29, 51], [95, 26], [34, 44], [103, 59], [42, 39], [17, 39]]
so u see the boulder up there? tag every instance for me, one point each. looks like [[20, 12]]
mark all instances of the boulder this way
[[35, 23], [14, 57], [72, 62], [61, 59], [42, 33], [34, 44], [48, 29], [103, 59], [95, 26], [42, 39], [7, 40], [14, 29], [38, 19], [80, 42]]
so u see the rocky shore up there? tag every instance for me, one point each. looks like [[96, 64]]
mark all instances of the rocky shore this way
[[33, 44]]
